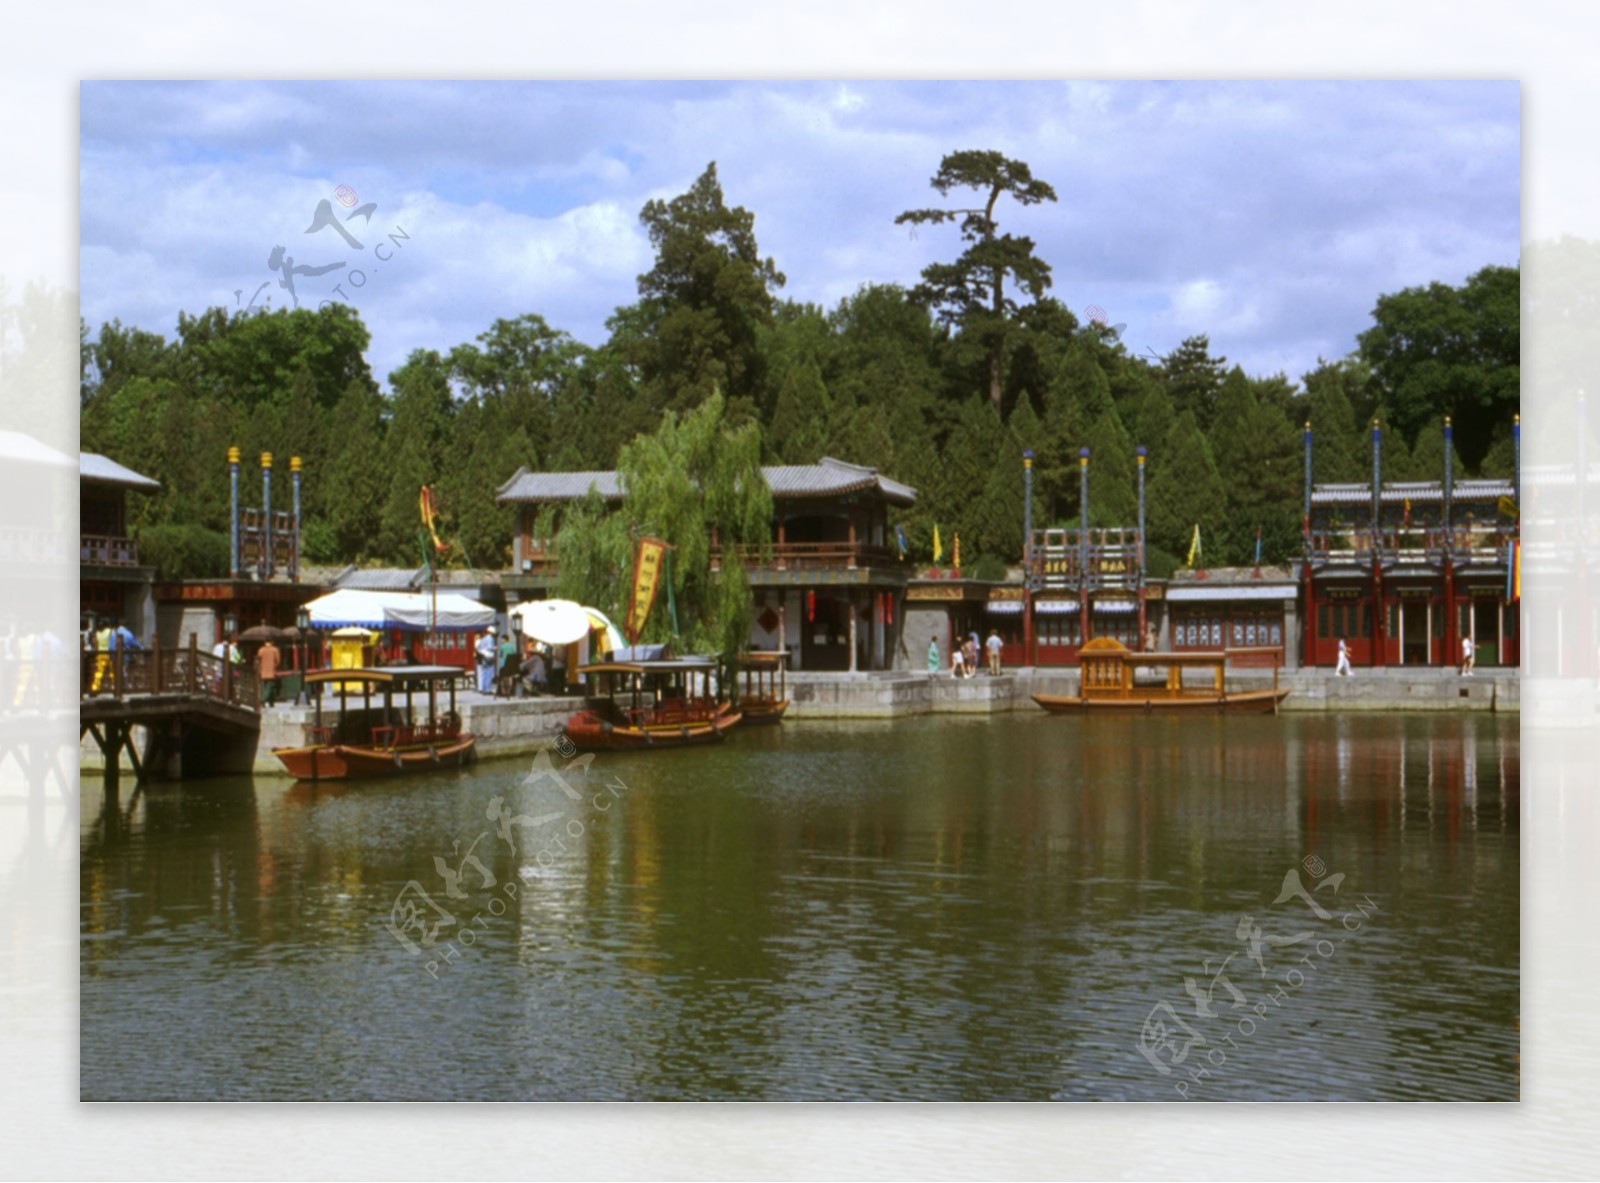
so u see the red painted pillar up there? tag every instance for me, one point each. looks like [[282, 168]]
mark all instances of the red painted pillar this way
[[1379, 633], [1309, 624]]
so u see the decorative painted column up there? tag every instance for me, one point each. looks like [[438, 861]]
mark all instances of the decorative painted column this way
[[294, 561], [1027, 558], [1308, 626], [265, 565], [1139, 457], [1377, 561], [1083, 547], [1452, 634], [233, 510]]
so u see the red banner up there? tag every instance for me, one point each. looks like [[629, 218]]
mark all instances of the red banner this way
[[646, 581]]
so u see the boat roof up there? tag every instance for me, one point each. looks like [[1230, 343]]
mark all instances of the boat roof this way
[[673, 665], [763, 657], [388, 674]]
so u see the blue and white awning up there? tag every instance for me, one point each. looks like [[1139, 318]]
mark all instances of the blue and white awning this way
[[1115, 606], [1055, 607], [1005, 607]]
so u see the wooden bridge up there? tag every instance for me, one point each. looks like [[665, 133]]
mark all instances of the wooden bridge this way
[[201, 714]]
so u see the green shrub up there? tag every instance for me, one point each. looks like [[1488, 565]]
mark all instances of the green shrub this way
[[990, 568], [184, 551]]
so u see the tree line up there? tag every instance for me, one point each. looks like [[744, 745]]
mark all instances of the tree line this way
[[941, 385]]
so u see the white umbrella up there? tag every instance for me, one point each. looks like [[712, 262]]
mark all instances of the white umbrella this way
[[555, 622]]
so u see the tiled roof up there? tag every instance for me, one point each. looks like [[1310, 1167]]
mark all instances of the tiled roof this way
[[557, 486], [828, 478], [379, 579], [103, 471]]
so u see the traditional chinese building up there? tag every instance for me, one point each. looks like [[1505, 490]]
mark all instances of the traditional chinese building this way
[[114, 587], [1253, 608], [1083, 582], [832, 591], [1402, 571]]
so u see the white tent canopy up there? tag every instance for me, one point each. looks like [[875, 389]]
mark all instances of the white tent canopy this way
[[447, 612]]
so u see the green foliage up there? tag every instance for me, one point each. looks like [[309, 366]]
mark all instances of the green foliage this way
[[319, 542], [694, 475], [704, 302], [594, 555], [970, 294], [1194, 379], [184, 551], [1185, 490], [1440, 350], [990, 568]]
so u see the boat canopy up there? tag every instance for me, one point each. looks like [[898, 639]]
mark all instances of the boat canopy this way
[[389, 675], [448, 612], [673, 666]]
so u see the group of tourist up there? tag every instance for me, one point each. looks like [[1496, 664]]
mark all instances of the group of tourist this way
[[499, 666], [964, 657]]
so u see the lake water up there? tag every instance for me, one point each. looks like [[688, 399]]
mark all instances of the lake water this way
[[939, 908]]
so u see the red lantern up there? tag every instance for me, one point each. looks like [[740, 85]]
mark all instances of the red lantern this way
[[811, 607]]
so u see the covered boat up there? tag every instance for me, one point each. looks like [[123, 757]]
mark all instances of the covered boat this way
[[764, 695], [378, 727], [1108, 684], [651, 702]]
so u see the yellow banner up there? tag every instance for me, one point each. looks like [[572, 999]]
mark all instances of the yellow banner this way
[[646, 579]]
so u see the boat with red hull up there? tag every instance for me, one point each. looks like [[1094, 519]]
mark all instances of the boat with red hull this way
[[1108, 684], [650, 703], [376, 729]]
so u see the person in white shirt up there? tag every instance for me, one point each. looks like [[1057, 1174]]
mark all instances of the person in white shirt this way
[[1466, 657], [1344, 659]]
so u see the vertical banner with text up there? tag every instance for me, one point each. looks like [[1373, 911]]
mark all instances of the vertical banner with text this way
[[646, 579]]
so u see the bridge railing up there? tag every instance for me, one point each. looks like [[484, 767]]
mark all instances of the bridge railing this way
[[167, 671]]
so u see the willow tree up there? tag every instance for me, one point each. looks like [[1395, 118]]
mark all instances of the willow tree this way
[[971, 293], [696, 475]]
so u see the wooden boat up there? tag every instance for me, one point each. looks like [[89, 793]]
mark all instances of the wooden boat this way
[[662, 703], [379, 733], [764, 697], [1108, 684]]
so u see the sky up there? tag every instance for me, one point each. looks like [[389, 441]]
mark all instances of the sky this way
[[1269, 216]]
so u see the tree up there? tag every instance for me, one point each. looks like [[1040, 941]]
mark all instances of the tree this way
[[1336, 436], [1185, 490], [971, 292], [413, 450], [1194, 379], [354, 485], [1439, 350], [798, 433], [704, 301], [694, 476]]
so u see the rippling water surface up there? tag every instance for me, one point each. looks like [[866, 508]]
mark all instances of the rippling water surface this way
[[936, 908]]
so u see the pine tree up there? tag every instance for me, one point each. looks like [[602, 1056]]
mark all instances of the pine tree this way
[[1184, 489]]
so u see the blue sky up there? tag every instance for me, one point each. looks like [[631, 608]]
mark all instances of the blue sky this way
[[1268, 215]]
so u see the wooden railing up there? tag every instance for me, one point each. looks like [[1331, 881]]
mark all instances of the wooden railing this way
[[811, 555], [1358, 543], [166, 671], [106, 550]]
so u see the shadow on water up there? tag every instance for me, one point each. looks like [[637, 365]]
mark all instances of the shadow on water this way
[[934, 908]]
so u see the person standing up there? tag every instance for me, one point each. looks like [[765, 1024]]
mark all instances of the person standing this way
[[484, 654], [933, 655], [994, 653], [268, 658], [957, 657], [1466, 657], [1344, 659]]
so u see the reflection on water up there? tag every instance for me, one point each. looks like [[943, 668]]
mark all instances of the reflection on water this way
[[934, 909]]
